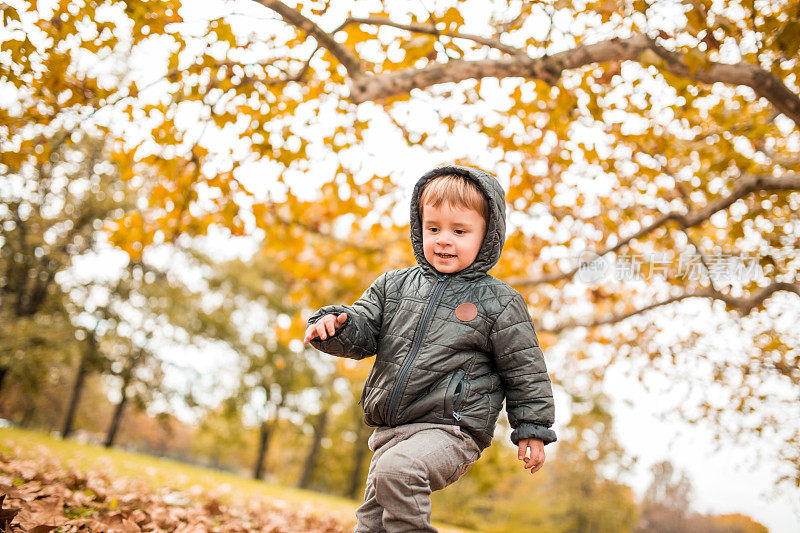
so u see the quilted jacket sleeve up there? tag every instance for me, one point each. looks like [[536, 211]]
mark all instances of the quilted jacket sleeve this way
[[519, 360], [357, 338]]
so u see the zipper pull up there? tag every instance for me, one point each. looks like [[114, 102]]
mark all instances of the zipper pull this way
[[457, 416]]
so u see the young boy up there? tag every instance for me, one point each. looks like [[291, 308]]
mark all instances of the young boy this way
[[451, 342]]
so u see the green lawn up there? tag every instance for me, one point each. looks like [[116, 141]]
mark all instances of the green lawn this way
[[160, 473]]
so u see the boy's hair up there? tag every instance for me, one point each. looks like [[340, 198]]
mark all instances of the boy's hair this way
[[456, 191]]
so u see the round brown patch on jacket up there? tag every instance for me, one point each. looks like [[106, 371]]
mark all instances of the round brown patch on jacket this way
[[466, 312]]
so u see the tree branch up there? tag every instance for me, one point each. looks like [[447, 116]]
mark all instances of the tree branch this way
[[173, 74], [613, 319], [550, 69], [743, 305], [515, 23], [741, 188], [764, 83], [288, 222], [430, 29], [298, 20]]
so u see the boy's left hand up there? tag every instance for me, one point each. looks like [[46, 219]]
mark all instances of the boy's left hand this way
[[536, 460]]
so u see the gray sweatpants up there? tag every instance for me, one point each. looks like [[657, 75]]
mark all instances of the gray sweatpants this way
[[409, 463]]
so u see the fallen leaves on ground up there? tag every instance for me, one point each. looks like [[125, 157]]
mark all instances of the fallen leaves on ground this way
[[41, 496]]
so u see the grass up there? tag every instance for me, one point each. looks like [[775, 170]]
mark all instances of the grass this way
[[162, 473]]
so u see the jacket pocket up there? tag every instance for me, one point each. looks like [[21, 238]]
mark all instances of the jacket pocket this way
[[454, 395], [460, 394], [370, 398]]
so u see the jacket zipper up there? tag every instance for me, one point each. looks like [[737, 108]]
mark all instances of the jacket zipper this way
[[398, 386]]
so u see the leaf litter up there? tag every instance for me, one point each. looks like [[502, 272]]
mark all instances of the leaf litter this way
[[41, 496]]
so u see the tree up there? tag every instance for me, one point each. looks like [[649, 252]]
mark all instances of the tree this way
[[50, 212], [128, 318], [249, 306], [585, 494], [666, 504], [221, 435], [666, 507], [88, 363], [142, 377], [338, 455], [360, 455], [311, 459], [627, 130]]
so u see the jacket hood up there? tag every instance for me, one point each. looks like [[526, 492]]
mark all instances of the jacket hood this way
[[492, 245]]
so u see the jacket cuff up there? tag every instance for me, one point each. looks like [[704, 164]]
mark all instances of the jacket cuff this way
[[533, 431], [332, 343], [338, 330]]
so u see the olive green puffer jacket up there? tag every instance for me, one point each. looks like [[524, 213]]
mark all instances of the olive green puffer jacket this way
[[432, 366]]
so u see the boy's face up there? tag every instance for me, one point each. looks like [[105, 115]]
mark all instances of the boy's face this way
[[451, 236]]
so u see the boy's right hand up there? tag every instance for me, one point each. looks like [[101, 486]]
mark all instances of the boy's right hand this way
[[325, 326]]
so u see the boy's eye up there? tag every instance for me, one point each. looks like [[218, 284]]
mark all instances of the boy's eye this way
[[459, 231], [432, 229]]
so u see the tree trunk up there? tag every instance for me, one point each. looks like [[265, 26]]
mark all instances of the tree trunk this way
[[115, 420], [319, 432], [127, 377], [360, 450], [28, 415], [263, 447], [89, 354], [3, 373], [266, 433]]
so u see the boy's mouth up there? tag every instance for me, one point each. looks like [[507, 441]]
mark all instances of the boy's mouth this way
[[445, 256]]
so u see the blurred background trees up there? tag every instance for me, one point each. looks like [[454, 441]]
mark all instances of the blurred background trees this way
[[51, 211], [182, 187]]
